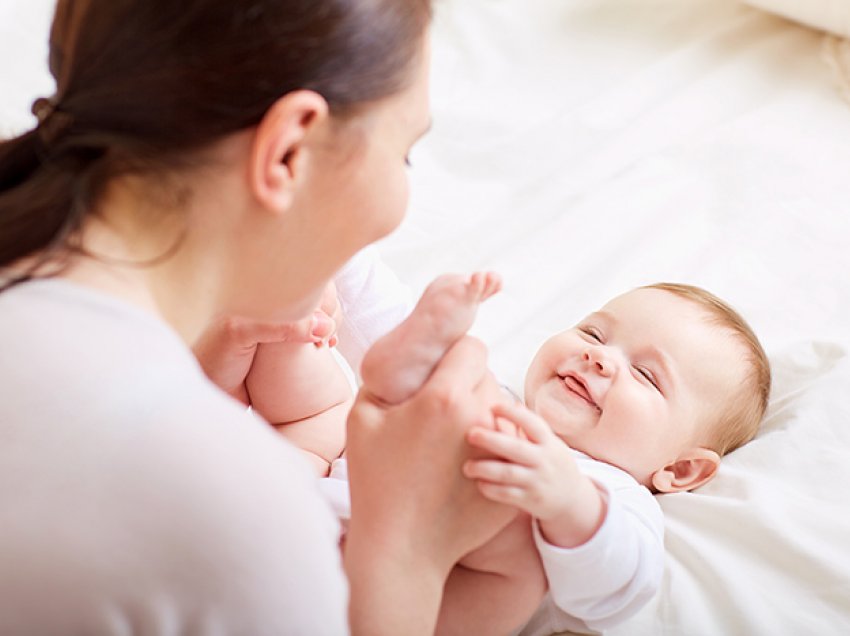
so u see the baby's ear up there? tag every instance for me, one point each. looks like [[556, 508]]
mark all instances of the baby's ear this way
[[694, 467]]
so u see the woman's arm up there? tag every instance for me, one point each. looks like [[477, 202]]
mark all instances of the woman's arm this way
[[414, 514]]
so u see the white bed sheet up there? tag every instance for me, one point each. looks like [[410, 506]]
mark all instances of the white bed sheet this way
[[583, 147]]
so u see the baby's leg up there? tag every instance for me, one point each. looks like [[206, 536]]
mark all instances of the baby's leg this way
[[303, 392], [497, 588], [401, 361]]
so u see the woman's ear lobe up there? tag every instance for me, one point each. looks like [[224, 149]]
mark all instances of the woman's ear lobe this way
[[694, 468], [276, 166]]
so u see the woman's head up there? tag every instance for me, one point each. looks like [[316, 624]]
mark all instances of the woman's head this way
[[144, 86]]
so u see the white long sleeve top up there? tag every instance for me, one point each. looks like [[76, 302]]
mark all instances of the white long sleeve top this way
[[137, 498], [373, 302]]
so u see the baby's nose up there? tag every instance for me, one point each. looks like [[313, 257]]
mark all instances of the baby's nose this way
[[600, 361]]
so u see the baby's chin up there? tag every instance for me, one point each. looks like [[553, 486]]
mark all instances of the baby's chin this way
[[563, 424]]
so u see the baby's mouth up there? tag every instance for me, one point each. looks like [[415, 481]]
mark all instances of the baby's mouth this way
[[577, 385]]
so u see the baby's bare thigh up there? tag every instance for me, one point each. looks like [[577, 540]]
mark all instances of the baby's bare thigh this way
[[511, 552]]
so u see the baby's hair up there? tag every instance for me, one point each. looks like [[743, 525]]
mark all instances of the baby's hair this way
[[740, 420]]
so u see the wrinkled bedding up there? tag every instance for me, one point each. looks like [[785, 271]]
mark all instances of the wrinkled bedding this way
[[829, 15]]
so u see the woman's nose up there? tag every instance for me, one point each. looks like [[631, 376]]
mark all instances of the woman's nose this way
[[599, 361]]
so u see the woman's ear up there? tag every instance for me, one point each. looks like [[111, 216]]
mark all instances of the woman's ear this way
[[276, 164], [693, 468]]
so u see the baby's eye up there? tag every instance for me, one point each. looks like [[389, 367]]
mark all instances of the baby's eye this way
[[407, 161], [647, 374], [593, 332]]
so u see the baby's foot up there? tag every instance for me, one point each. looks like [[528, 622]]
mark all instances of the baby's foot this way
[[400, 362]]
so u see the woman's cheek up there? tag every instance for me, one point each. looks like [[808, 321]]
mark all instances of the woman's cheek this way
[[395, 206]]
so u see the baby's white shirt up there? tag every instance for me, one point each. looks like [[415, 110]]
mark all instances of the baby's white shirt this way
[[608, 579]]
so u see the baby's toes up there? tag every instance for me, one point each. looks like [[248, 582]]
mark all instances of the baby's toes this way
[[476, 287], [492, 285], [482, 285]]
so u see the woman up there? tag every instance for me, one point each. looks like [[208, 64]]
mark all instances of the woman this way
[[204, 159]]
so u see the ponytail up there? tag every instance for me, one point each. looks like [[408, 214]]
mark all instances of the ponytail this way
[[42, 202], [143, 85]]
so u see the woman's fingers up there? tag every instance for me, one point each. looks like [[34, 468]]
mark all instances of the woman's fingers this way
[[310, 329], [235, 333]]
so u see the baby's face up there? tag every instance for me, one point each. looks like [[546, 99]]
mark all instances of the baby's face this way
[[635, 383]]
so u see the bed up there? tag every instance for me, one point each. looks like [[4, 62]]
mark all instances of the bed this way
[[584, 147]]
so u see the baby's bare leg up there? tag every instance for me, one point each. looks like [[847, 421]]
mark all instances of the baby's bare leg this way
[[303, 392], [401, 361], [496, 588]]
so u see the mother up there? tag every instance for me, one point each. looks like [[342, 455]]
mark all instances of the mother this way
[[200, 159]]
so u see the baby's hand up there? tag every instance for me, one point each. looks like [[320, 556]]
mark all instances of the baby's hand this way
[[533, 470]]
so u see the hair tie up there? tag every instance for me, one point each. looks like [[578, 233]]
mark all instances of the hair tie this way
[[52, 120]]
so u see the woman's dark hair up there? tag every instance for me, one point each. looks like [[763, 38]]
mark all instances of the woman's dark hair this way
[[141, 84]]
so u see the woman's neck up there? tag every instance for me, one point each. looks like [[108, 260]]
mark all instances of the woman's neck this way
[[146, 257]]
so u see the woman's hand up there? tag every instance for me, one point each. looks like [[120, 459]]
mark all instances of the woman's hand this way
[[414, 514], [227, 347]]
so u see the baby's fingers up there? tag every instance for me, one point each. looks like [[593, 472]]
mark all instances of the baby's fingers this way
[[497, 472], [534, 426], [510, 495], [508, 447]]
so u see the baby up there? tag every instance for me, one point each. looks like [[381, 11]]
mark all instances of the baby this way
[[643, 396], [302, 390]]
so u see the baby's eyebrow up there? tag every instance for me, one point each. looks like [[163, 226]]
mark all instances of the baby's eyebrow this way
[[664, 361], [605, 316]]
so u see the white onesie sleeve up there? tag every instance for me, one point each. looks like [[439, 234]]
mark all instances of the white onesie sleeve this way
[[373, 302], [609, 578]]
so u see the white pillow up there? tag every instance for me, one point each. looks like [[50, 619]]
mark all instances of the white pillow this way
[[829, 15]]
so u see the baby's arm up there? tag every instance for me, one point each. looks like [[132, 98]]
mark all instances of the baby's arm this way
[[602, 549], [537, 473], [301, 390]]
